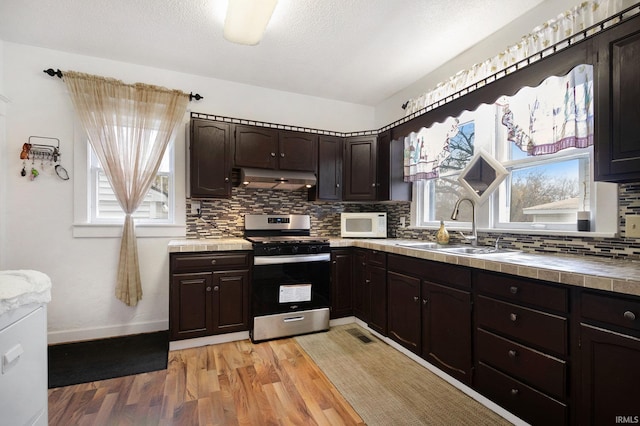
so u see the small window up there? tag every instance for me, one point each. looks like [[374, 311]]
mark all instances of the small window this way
[[157, 207]]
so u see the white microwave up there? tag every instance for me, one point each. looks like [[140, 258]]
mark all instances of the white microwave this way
[[363, 225]]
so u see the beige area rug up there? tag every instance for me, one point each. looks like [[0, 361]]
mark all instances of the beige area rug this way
[[387, 388]]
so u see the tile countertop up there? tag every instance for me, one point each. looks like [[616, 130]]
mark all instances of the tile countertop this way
[[619, 276]]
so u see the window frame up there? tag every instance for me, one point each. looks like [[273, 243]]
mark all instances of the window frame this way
[[81, 177]]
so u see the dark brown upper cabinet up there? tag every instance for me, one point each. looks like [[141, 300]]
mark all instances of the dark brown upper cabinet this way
[[256, 147], [373, 169], [210, 159], [360, 169], [267, 148], [329, 186], [617, 110]]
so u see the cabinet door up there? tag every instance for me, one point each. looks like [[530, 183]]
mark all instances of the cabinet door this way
[[297, 151], [404, 310], [617, 116], [360, 169], [361, 295], [210, 159], [446, 329], [329, 186], [377, 281], [190, 307], [390, 170], [341, 289], [256, 147], [230, 301], [610, 375]]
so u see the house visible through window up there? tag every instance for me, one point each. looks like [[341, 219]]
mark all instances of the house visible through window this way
[[157, 207]]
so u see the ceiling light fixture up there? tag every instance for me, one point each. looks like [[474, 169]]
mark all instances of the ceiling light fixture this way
[[247, 20]]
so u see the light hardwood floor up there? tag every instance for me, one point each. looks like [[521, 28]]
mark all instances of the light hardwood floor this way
[[238, 383]]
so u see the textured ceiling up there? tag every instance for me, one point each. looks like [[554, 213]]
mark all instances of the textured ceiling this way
[[359, 51]]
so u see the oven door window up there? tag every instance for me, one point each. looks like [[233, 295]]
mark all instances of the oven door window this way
[[290, 287]]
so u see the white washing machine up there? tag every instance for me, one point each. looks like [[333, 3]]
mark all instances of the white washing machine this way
[[23, 347]]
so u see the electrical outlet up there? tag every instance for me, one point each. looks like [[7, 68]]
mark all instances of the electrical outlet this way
[[195, 206], [632, 229], [402, 222]]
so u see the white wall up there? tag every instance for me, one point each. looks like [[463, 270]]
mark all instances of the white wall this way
[[37, 216], [390, 110], [3, 158]]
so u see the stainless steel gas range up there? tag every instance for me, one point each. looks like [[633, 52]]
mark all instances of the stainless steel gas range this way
[[290, 288]]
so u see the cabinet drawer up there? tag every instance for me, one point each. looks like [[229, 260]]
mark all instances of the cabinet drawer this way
[[535, 368], [521, 290], [520, 399], [617, 311], [540, 329], [377, 258], [209, 261]]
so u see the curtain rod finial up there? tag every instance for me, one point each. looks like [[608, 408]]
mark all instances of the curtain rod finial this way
[[52, 73], [197, 96]]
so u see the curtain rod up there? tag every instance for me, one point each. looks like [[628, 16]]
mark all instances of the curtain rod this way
[[58, 73]]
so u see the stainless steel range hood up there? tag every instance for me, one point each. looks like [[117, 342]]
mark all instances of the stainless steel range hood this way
[[276, 179]]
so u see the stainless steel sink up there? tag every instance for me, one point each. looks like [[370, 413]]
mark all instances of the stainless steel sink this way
[[421, 245], [477, 250]]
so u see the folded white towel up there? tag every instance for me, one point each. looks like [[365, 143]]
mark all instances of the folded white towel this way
[[22, 287]]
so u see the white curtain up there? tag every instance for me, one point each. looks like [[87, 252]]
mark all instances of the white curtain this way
[[129, 127], [565, 26]]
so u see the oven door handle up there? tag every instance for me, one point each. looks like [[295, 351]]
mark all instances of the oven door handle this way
[[299, 258]]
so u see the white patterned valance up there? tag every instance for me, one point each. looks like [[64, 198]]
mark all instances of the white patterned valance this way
[[557, 114], [571, 23]]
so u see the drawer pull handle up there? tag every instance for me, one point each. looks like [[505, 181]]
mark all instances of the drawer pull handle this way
[[629, 315], [513, 289], [514, 392], [513, 317], [512, 353], [213, 262]]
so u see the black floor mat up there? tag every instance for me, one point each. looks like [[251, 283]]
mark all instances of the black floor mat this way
[[83, 362]]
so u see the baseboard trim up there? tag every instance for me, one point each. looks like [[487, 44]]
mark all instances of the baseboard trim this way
[[208, 340], [83, 334]]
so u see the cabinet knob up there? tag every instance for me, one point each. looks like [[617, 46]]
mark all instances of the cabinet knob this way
[[373, 185], [416, 298], [367, 281], [226, 179], [213, 262], [514, 392], [513, 317], [334, 262], [364, 264], [216, 288], [273, 154], [629, 315], [337, 185], [209, 288], [512, 353], [425, 301], [282, 154], [513, 289]]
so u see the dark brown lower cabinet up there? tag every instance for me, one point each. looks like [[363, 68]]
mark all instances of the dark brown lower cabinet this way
[[610, 376], [341, 283], [446, 329], [404, 310], [209, 294], [370, 288], [609, 356]]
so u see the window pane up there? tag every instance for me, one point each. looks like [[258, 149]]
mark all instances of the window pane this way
[[549, 192], [448, 191], [155, 206]]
